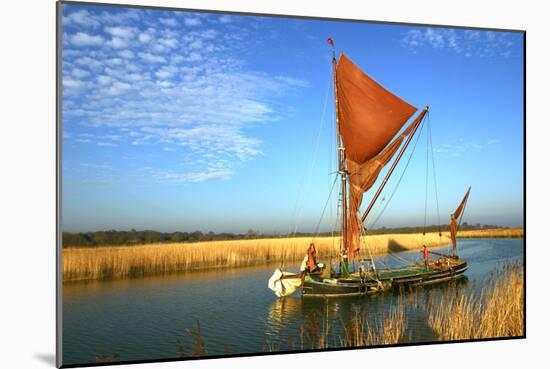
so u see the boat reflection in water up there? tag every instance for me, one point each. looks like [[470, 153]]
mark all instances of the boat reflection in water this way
[[296, 323]]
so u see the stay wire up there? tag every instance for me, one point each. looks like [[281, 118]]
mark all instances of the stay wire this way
[[427, 175], [400, 178], [298, 205], [324, 209], [434, 175]]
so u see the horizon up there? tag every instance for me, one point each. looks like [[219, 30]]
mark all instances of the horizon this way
[[444, 228], [186, 121]]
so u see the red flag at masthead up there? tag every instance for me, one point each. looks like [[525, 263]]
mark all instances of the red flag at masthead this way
[[330, 41]]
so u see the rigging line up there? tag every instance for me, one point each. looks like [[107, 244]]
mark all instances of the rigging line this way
[[434, 175], [427, 175], [324, 208], [401, 177], [298, 207], [376, 210], [402, 260], [364, 237]]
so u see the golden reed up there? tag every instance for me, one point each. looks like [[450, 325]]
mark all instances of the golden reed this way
[[492, 233], [131, 261], [497, 312]]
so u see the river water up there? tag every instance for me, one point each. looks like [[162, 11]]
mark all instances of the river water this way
[[156, 317]]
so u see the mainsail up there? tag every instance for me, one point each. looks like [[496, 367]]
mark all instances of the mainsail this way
[[369, 116], [453, 226]]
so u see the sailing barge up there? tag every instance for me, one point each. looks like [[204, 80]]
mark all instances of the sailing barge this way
[[368, 121]]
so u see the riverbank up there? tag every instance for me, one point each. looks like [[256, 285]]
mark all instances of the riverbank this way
[[111, 262]]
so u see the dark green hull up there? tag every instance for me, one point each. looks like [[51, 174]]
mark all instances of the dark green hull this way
[[356, 285]]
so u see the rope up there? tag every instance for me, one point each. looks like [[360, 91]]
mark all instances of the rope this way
[[434, 176], [427, 175], [298, 207], [324, 208], [403, 261]]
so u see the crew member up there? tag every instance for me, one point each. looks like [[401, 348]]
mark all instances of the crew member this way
[[309, 263], [426, 256]]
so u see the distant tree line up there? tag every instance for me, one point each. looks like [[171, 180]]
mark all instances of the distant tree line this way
[[133, 237]]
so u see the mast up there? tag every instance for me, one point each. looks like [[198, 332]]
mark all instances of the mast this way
[[394, 164], [341, 163], [368, 117]]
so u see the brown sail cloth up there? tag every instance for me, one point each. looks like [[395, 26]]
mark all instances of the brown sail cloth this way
[[362, 178], [453, 226], [368, 114]]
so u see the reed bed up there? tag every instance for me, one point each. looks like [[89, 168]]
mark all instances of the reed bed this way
[[134, 261], [388, 331], [492, 233], [496, 312]]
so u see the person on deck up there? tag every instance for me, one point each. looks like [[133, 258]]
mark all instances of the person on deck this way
[[310, 260], [426, 256]]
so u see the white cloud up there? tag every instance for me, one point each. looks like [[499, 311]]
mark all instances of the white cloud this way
[[201, 176], [150, 58], [170, 22], [169, 42], [104, 80], [80, 18], [466, 42], [192, 22], [193, 57], [166, 72], [89, 62], [122, 32], [127, 54], [106, 144], [72, 83], [145, 37], [84, 39], [80, 73], [196, 44], [173, 89], [118, 43], [225, 19], [118, 88]]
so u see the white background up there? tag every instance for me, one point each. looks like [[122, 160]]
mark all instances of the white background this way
[[27, 181]]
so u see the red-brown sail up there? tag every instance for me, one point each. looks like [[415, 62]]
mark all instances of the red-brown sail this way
[[369, 115], [453, 226], [362, 177]]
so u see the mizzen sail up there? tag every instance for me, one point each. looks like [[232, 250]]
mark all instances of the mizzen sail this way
[[453, 226]]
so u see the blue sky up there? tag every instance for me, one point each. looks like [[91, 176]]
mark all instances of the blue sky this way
[[186, 121]]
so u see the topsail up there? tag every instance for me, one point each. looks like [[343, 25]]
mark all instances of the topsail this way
[[369, 115]]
